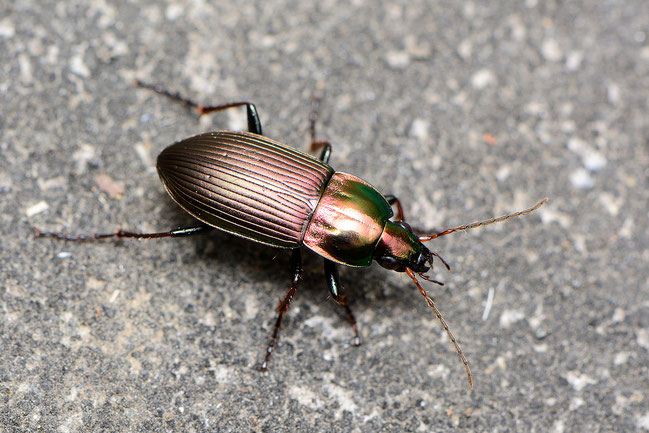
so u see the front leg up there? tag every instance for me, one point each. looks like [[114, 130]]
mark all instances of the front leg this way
[[392, 200]]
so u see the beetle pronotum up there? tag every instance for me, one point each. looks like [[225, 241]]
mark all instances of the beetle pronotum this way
[[257, 188]]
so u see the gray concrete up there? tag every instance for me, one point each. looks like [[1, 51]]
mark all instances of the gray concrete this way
[[464, 110]]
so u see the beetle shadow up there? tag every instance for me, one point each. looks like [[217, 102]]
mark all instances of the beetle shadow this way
[[262, 264], [259, 262]]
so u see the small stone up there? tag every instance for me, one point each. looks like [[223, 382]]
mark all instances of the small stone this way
[[551, 50], [581, 179], [573, 60], [79, 67], [37, 208], [7, 29], [419, 129], [510, 317], [482, 79], [579, 381], [397, 59]]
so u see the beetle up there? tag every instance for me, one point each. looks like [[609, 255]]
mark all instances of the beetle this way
[[257, 188]]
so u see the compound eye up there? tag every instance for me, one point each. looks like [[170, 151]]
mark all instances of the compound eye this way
[[405, 225]]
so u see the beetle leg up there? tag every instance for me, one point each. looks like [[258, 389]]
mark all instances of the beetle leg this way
[[392, 200], [254, 124], [336, 289], [315, 143], [313, 115], [186, 231], [326, 149], [296, 270]]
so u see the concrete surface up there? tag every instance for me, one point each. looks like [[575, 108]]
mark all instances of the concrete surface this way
[[464, 110]]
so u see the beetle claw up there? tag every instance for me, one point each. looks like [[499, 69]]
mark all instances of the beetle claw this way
[[428, 278]]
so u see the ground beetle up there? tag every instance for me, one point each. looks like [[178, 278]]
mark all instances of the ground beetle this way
[[257, 188]]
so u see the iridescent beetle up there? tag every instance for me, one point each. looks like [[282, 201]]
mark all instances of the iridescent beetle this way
[[257, 188]]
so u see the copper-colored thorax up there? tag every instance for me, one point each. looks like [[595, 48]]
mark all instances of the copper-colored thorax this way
[[348, 222]]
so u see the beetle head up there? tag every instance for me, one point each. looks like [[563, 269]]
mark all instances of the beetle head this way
[[399, 248]]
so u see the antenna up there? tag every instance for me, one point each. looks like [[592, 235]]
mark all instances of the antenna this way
[[427, 238]]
